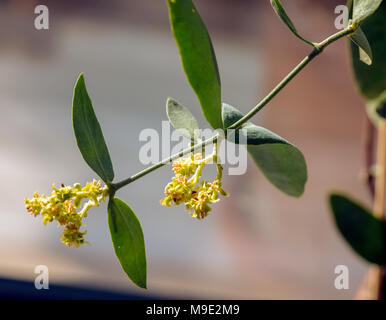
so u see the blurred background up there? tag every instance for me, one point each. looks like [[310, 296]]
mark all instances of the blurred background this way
[[258, 243]]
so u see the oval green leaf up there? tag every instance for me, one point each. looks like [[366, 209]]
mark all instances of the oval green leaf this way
[[364, 232], [371, 80], [280, 11], [127, 236], [365, 52], [88, 133], [363, 9], [198, 57], [182, 120], [281, 163]]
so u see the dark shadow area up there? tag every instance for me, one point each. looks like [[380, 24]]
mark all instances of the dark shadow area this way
[[23, 290]]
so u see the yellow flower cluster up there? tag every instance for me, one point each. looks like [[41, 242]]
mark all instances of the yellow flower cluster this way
[[62, 206], [185, 187]]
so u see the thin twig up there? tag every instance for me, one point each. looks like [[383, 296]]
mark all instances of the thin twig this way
[[380, 172], [319, 47], [377, 273], [368, 154], [380, 187]]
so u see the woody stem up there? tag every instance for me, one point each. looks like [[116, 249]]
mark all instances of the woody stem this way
[[318, 49]]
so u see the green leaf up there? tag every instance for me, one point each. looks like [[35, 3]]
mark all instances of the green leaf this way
[[182, 119], [363, 9], [371, 79], [364, 232], [365, 52], [280, 11], [281, 163], [127, 236], [198, 57], [88, 133]]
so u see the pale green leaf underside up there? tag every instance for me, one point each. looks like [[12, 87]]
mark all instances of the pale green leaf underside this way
[[281, 163], [280, 11], [363, 9], [182, 119], [365, 52]]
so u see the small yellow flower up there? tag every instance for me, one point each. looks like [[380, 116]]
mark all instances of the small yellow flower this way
[[185, 186], [72, 236], [62, 205], [186, 166], [206, 194]]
